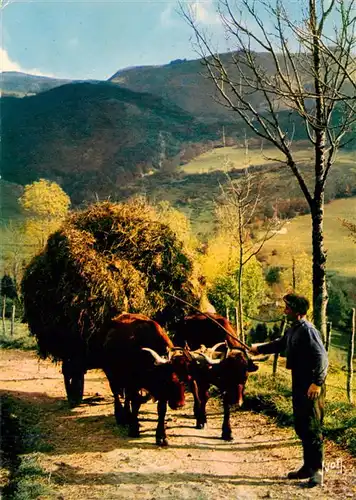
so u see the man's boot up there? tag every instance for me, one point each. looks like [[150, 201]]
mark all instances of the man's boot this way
[[303, 473], [316, 479]]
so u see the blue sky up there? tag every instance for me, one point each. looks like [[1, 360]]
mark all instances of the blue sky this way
[[93, 39], [85, 39]]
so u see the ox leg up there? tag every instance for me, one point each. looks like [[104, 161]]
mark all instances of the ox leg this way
[[127, 409], [226, 427], [121, 416], [134, 428], [161, 437], [200, 394], [73, 374]]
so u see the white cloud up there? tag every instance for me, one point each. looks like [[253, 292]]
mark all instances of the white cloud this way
[[6, 64], [203, 12]]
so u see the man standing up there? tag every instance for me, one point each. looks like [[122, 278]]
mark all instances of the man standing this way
[[308, 361]]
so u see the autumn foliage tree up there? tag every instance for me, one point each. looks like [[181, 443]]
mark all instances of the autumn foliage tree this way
[[237, 207], [45, 205]]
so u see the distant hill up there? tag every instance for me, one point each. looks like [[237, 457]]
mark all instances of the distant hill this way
[[14, 83], [9, 206], [187, 84], [103, 138], [91, 137], [180, 81]]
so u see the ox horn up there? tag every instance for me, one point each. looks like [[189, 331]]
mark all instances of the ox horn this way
[[216, 346], [210, 360], [173, 350], [159, 360], [213, 349]]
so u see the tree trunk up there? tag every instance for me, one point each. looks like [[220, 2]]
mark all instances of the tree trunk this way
[[240, 306], [227, 314], [237, 322], [293, 274], [350, 358], [13, 312], [328, 335], [3, 315], [320, 296], [276, 355]]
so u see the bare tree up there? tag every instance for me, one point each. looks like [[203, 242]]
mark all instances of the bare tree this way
[[16, 251], [306, 77], [351, 227], [237, 207]]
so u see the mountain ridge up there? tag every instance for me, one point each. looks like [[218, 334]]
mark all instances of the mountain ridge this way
[[86, 135]]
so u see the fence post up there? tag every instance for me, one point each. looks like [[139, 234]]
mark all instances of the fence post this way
[[350, 358], [328, 335], [3, 315], [237, 322], [227, 313], [276, 355], [13, 311]]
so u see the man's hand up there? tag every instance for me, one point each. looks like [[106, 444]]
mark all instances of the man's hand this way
[[254, 350], [314, 391]]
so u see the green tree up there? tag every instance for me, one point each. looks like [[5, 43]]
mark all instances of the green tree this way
[[8, 288], [45, 205], [224, 290]]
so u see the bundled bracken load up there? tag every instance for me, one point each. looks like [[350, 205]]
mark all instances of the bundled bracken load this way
[[105, 260]]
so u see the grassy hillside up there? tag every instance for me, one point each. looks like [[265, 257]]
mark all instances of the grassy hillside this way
[[92, 137], [340, 247], [195, 188], [236, 157]]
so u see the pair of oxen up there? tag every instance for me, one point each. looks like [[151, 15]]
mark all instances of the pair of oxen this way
[[138, 356]]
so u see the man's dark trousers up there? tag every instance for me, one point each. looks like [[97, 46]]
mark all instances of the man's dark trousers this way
[[308, 420]]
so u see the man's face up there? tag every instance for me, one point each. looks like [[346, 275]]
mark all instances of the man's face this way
[[291, 315]]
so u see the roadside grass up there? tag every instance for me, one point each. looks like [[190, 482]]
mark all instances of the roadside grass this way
[[21, 339], [21, 444], [273, 397]]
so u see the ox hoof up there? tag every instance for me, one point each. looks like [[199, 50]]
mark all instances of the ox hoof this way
[[121, 421], [134, 433], [162, 442], [227, 437], [200, 425]]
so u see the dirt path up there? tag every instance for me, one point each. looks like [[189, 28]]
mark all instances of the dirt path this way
[[93, 459]]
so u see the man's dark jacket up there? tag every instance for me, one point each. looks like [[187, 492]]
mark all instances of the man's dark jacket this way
[[305, 352]]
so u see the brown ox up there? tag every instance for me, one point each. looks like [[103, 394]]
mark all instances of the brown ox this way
[[135, 358], [225, 366]]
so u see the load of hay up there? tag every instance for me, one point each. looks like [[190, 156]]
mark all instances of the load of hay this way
[[105, 260]]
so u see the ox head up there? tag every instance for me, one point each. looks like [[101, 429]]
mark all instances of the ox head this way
[[171, 374], [230, 367]]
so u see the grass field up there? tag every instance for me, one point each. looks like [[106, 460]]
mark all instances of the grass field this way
[[236, 157], [196, 189], [341, 250]]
